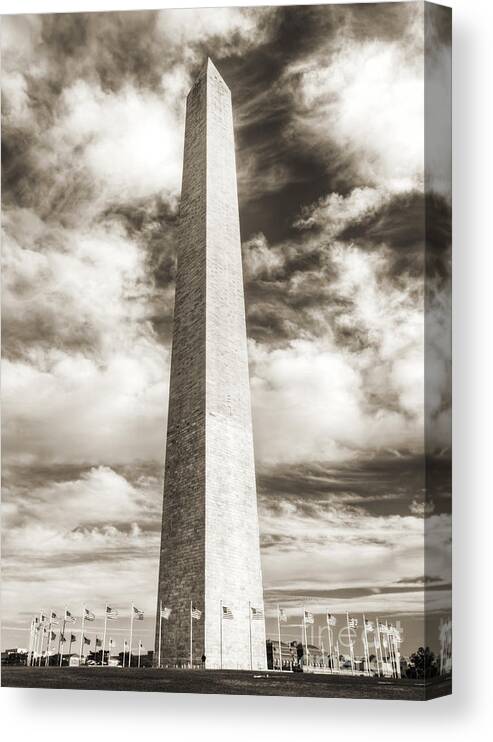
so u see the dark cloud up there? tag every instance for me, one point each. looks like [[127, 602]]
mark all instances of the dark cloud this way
[[347, 593], [152, 222], [414, 228], [44, 328], [380, 485], [293, 282]]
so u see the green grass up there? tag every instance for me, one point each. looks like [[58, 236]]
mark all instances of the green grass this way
[[215, 681]]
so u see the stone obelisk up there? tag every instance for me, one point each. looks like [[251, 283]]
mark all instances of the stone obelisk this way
[[210, 554]]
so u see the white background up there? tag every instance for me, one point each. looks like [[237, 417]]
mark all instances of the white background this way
[[88, 715]]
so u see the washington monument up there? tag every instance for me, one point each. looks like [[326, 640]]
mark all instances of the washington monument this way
[[210, 554]]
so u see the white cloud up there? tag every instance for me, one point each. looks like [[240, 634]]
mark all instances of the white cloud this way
[[260, 258], [83, 540], [334, 211], [186, 26], [338, 548], [131, 140], [343, 401], [368, 97], [93, 386]]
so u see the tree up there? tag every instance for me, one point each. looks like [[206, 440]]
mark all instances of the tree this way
[[424, 662]]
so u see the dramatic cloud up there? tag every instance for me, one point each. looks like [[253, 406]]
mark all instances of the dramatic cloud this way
[[329, 105], [367, 96]]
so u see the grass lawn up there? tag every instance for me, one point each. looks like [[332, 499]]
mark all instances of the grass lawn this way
[[216, 681]]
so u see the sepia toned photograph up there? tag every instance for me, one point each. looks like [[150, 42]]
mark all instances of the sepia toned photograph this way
[[226, 351]]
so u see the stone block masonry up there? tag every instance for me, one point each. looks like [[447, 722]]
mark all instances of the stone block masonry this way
[[210, 550]]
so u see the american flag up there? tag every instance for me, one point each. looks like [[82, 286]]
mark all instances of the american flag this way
[[111, 613], [88, 615], [369, 625], [227, 613], [309, 617], [62, 639], [69, 617], [196, 613], [282, 616], [53, 618], [52, 636], [352, 623], [99, 643], [87, 640], [331, 620], [165, 613], [72, 638], [257, 614], [138, 615]]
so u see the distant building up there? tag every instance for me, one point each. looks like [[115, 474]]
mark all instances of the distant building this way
[[289, 655], [16, 656]]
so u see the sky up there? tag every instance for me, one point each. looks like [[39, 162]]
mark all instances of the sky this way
[[329, 105]]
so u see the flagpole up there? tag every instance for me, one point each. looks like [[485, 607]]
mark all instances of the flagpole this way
[[397, 655], [379, 645], [279, 636], [375, 644], [365, 646], [35, 637], [391, 653], [30, 642], [191, 636], [221, 634], [41, 647], [364, 643], [104, 632], [351, 654], [304, 637], [28, 661], [40, 643], [82, 633], [33, 649], [60, 637], [160, 632], [40, 639], [398, 651], [380, 636], [391, 650], [48, 642], [131, 635], [330, 645], [138, 656], [70, 647], [250, 632], [388, 651]]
